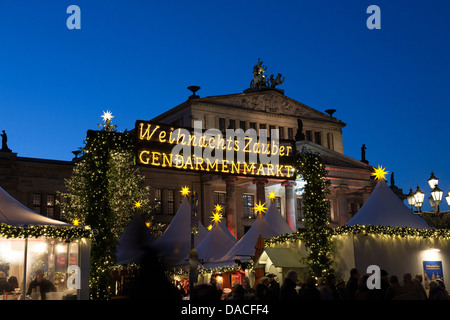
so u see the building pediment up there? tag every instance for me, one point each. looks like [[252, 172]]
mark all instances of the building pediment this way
[[331, 157], [270, 101]]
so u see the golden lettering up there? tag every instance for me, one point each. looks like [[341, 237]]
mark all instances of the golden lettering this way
[[147, 135], [147, 160], [155, 157]]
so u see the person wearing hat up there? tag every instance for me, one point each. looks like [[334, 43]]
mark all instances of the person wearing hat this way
[[40, 285], [273, 291]]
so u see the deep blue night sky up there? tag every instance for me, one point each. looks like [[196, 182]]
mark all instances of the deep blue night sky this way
[[136, 58]]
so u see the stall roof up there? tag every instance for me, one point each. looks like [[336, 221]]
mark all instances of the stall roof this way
[[281, 258], [244, 249], [13, 213], [134, 242], [384, 208], [175, 243], [276, 221]]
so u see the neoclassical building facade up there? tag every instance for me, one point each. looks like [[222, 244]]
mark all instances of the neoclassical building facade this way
[[35, 182]]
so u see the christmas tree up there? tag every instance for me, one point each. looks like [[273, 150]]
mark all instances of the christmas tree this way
[[102, 192]]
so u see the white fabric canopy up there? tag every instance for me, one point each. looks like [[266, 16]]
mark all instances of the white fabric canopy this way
[[384, 208], [134, 242], [276, 221], [175, 243], [215, 244], [13, 213], [244, 249]]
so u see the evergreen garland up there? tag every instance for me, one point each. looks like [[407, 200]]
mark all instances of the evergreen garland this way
[[317, 235]]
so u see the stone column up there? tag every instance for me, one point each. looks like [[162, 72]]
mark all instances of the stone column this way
[[260, 189], [365, 193], [290, 203], [230, 204], [342, 204]]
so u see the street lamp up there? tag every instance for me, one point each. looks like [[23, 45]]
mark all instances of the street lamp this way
[[416, 199]]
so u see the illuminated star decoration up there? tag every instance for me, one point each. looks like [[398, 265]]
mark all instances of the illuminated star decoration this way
[[138, 204], [379, 173], [185, 191], [218, 207], [260, 208], [216, 217], [272, 195], [76, 222], [107, 116]]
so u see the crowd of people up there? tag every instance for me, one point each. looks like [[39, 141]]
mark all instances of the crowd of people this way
[[331, 288]]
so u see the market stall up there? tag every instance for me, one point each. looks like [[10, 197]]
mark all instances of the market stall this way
[[30, 242]]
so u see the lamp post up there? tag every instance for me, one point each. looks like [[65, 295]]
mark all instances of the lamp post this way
[[416, 199]]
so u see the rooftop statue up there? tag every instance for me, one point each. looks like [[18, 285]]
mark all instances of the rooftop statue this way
[[260, 80], [4, 142], [276, 81]]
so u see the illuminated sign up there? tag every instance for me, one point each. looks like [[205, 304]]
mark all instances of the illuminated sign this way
[[236, 152]]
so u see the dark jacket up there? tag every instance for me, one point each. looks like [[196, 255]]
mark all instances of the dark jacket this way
[[287, 290], [44, 286]]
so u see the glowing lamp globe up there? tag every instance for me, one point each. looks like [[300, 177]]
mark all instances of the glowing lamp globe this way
[[418, 197], [437, 194], [433, 181]]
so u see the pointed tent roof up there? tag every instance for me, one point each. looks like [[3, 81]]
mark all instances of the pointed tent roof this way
[[276, 221], [245, 247], [134, 240], [175, 243], [215, 244], [13, 213], [225, 229], [384, 208]]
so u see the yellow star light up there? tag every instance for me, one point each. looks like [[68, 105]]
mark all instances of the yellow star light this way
[[379, 173], [260, 208], [138, 204], [216, 217], [107, 116], [185, 191], [76, 222], [218, 207], [209, 227], [272, 195]]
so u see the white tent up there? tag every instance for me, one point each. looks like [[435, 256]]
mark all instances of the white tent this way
[[244, 249], [276, 221], [215, 244], [134, 241], [175, 243], [225, 229], [13, 213], [384, 208]]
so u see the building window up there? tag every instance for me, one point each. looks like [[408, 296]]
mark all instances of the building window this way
[[269, 134], [330, 141], [51, 205], [277, 202], [253, 125], [318, 138], [281, 132], [232, 124], [308, 135], [290, 134], [219, 198], [248, 200], [171, 201], [37, 202], [300, 214], [222, 124], [158, 202], [242, 125]]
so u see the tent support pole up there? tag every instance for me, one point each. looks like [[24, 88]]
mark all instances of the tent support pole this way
[[24, 291]]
